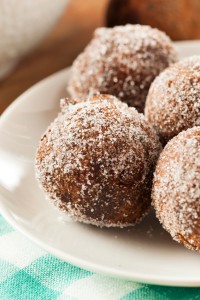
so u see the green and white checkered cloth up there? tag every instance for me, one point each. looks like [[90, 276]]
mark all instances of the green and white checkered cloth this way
[[29, 273]]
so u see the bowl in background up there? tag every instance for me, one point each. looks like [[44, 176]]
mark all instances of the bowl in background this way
[[23, 24]]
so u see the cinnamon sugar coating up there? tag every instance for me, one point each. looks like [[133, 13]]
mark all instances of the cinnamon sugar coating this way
[[176, 188], [121, 61], [173, 101], [96, 161]]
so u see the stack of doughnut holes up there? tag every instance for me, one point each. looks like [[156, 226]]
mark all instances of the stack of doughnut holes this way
[[101, 160]]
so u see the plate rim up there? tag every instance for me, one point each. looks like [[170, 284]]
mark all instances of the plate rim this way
[[92, 267], [107, 271]]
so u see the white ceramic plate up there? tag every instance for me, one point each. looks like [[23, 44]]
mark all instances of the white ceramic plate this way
[[145, 253]]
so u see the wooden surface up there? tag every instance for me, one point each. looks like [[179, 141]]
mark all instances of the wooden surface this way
[[57, 51]]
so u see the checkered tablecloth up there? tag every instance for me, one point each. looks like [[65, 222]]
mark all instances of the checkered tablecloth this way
[[29, 273]]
